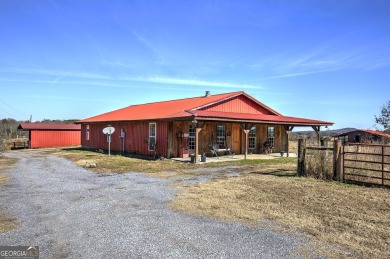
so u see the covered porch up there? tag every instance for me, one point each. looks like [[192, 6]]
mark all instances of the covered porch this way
[[245, 139]]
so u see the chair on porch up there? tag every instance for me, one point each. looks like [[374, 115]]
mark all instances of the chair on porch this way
[[215, 148], [267, 148]]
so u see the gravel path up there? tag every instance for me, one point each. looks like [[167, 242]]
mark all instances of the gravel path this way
[[70, 212]]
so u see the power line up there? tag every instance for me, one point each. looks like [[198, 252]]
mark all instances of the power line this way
[[21, 113], [7, 112]]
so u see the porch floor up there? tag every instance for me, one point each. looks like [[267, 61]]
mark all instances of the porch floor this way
[[234, 158]]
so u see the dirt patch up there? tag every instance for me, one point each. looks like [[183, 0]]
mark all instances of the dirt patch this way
[[343, 220]]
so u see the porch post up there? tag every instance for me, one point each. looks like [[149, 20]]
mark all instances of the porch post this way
[[288, 130], [198, 127], [317, 130], [246, 128], [246, 131], [197, 130]]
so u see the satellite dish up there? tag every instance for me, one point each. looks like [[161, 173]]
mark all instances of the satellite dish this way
[[108, 130]]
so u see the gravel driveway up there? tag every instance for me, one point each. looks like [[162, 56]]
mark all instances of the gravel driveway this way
[[70, 212]]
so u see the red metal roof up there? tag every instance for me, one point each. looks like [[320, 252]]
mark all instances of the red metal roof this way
[[197, 107], [45, 126]]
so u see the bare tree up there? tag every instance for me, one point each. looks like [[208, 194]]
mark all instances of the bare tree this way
[[384, 118]]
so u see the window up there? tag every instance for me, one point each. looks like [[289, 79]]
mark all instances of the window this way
[[357, 138], [271, 135], [252, 138], [152, 136], [191, 138], [221, 135], [87, 133]]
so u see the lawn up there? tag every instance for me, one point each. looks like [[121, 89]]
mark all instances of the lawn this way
[[342, 220], [160, 168]]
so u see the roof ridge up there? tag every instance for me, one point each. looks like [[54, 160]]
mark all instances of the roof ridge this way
[[233, 94], [182, 99]]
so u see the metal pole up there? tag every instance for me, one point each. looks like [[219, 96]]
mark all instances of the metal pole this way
[[109, 144]]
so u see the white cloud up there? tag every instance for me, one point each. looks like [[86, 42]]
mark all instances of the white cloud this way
[[193, 82], [83, 78]]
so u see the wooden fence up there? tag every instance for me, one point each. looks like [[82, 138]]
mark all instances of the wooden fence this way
[[351, 162]]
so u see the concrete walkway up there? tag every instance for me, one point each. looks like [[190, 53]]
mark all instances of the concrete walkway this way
[[235, 157]]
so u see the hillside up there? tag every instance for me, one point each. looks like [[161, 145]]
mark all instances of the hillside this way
[[324, 133]]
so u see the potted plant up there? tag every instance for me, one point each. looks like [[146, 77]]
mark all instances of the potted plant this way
[[203, 157], [192, 156]]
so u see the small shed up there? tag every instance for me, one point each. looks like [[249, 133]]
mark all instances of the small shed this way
[[42, 135], [364, 136]]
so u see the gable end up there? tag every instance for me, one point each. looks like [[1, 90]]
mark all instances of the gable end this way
[[238, 104]]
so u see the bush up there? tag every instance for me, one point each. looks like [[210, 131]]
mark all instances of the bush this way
[[319, 164]]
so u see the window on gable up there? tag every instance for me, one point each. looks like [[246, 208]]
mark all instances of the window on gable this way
[[152, 136]]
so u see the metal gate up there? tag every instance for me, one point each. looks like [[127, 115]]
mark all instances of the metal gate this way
[[366, 163]]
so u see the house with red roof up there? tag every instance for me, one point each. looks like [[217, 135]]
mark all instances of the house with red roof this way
[[176, 128], [44, 135], [364, 136]]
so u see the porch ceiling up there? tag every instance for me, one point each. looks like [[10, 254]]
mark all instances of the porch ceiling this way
[[257, 118]]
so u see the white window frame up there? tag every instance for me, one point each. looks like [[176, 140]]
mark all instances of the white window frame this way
[[87, 132], [252, 138], [271, 136], [191, 137], [152, 137], [221, 138]]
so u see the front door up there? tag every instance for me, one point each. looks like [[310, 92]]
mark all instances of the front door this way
[[236, 137]]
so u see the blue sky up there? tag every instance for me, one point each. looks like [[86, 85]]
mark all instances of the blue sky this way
[[327, 60]]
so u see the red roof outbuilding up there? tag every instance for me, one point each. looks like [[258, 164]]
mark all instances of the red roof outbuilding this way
[[43, 135]]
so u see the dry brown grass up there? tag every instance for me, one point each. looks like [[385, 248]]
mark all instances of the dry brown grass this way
[[6, 163], [158, 168], [319, 164], [352, 218], [122, 164], [6, 221]]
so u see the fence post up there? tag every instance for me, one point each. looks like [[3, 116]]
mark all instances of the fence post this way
[[337, 166], [301, 156], [383, 165]]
